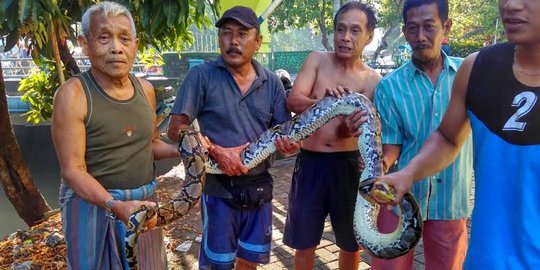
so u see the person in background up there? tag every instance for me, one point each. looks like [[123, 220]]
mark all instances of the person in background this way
[[495, 94], [234, 100], [446, 47], [326, 174], [105, 135], [285, 78]]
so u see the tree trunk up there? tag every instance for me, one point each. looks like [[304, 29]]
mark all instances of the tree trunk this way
[[56, 52], [67, 58], [324, 31], [65, 54], [14, 174], [384, 44]]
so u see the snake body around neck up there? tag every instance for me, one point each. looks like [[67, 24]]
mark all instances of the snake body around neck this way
[[197, 164]]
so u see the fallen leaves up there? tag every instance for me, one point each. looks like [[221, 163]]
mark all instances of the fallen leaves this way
[[43, 246], [40, 247]]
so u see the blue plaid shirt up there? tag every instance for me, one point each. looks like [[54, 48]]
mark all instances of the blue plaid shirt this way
[[411, 108]]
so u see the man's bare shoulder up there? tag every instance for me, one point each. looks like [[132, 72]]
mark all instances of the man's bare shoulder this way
[[316, 58], [468, 62], [461, 81], [372, 74], [320, 54], [70, 102], [370, 78], [72, 90], [146, 85], [149, 91]]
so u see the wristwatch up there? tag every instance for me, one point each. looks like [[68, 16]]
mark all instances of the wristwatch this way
[[108, 209]]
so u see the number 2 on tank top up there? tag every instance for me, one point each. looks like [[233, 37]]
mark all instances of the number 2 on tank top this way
[[525, 101]]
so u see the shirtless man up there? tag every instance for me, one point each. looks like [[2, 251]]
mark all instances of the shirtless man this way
[[326, 174]]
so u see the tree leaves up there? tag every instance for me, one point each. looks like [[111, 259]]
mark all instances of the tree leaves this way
[[24, 9], [474, 21], [160, 24], [38, 89], [317, 14]]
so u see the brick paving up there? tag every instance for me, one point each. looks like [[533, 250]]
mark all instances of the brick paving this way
[[282, 257], [327, 252]]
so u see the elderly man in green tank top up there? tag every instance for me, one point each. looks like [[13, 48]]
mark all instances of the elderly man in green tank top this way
[[105, 135]]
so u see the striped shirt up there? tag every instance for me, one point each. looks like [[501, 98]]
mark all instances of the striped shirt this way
[[411, 108]]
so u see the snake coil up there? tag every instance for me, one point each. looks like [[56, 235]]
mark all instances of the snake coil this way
[[197, 164]]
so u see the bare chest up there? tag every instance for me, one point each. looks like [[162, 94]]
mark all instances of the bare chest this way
[[353, 81]]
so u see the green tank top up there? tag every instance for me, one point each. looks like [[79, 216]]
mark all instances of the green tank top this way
[[118, 136]]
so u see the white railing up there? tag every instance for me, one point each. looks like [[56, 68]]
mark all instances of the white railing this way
[[22, 67]]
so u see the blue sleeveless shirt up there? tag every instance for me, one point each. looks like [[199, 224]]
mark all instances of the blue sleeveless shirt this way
[[505, 121]]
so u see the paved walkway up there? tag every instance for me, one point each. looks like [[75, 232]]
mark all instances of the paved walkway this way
[[327, 252], [282, 257]]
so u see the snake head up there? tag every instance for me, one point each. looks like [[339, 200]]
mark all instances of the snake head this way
[[142, 219], [382, 192]]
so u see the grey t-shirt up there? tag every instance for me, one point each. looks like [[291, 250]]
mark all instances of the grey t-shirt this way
[[210, 95]]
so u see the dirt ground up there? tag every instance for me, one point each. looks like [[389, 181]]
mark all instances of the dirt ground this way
[[29, 249], [187, 230]]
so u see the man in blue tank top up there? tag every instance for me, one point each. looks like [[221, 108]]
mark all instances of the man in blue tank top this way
[[495, 94]]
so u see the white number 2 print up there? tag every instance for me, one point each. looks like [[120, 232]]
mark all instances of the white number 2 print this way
[[525, 102]]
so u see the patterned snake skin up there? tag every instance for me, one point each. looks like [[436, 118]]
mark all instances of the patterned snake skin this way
[[194, 156], [381, 245]]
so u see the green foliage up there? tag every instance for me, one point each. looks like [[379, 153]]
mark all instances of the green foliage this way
[[161, 24], [32, 20], [475, 21], [296, 40], [38, 90], [388, 12], [301, 13], [314, 14], [317, 15], [165, 24], [465, 47], [150, 57]]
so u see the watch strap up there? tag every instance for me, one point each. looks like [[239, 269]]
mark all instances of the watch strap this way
[[108, 209]]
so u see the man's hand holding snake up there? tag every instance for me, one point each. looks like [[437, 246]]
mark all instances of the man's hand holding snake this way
[[286, 147], [397, 184], [228, 159], [123, 209]]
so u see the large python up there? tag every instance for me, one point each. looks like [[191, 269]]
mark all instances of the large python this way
[[194, 157], [381, 245]]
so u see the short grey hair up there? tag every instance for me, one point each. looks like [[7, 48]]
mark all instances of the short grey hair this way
[[109, 9]]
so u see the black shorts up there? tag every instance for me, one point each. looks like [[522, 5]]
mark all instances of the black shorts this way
[[322, 184]]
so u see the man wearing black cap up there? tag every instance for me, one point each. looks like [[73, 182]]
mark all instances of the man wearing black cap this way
[[234, 100]]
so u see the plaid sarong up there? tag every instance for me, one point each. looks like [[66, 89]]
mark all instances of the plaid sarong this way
[[95, 241]]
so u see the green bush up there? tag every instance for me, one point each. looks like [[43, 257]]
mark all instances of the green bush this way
[[465, 47], [150, 57], [38, 89]]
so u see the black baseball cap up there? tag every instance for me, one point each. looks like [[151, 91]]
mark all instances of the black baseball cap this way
[[243, 15]]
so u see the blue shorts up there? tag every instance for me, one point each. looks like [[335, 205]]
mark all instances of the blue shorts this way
[[322, 184], [229, 233]]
